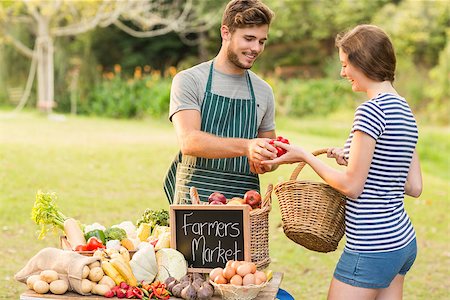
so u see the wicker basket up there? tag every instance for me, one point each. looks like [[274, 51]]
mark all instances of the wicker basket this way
[[259, 231], [237, 292], [313, 213]]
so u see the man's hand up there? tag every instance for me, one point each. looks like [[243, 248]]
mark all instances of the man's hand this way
[[259, 149]]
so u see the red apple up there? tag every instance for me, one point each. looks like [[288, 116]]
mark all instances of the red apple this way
[[216, 202], [216, 196], [252, 198]]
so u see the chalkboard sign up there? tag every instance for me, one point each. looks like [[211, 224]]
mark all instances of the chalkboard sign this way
[[210, 235]]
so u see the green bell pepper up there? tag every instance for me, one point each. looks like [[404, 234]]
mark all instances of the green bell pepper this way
[[98, 234]]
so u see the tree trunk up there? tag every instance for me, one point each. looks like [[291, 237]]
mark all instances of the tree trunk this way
[[45, 72]]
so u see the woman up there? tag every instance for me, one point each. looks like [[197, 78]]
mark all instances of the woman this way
[[382, 165]]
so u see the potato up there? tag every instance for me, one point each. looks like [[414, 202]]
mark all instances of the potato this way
[[31, 280], [49, 275], [107, 281], [59, 287], [96, 274], [86, 286], [86, 271], [41, 287], [94, 264], [100, 289]]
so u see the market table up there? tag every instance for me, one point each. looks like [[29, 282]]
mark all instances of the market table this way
[[268, 293]]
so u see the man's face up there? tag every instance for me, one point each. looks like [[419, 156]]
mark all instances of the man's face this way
[[246, 44]]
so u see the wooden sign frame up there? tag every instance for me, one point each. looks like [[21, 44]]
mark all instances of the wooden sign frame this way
[[215, 209]]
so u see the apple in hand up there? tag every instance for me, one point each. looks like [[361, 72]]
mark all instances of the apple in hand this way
[[216, 196], [252, 198]]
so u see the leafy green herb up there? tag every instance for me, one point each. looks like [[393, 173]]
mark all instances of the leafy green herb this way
[[154, 217], [46, 214]]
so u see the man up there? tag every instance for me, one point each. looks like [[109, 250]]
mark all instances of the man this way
[[223, 113]]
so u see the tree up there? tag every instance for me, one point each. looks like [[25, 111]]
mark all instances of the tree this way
[[50, 19]]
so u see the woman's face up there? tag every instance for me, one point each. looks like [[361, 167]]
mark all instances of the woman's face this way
[[355, 76]]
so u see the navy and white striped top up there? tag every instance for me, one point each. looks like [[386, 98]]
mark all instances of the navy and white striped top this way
[[376, 221]]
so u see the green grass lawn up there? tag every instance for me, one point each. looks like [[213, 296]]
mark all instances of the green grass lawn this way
[[109, 171]]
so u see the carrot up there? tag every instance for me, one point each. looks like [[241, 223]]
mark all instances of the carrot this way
[[73, 233]]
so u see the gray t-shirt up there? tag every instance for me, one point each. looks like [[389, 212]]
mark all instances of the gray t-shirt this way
[[188, 89]]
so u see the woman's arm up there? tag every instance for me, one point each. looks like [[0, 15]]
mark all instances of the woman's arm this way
[[413, 185], [350, 181]]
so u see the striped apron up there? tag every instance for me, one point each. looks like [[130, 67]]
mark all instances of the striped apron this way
[[224, 117]]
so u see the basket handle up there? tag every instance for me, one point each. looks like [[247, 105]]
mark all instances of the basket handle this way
[[267, 197], [302, 164]]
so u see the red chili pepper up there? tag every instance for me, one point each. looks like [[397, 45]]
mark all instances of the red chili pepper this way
[[137, 292]]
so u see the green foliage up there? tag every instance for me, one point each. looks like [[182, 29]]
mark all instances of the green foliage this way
[[158, 52], [118, 97], [417, 28], [298, 97], [439, 91]]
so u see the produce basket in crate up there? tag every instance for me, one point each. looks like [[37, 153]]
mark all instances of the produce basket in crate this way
[[259, 231], [236, 292], [313, 213]]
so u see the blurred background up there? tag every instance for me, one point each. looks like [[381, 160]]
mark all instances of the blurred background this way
[[117, 58]]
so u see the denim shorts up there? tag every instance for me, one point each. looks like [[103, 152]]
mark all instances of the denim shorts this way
[[374, 270]]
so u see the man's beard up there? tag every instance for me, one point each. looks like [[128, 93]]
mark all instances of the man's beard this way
[[233, 58]]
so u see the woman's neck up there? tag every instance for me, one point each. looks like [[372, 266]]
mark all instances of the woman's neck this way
[[380, 88]]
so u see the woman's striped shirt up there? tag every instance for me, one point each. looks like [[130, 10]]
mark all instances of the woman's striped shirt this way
[[377, 221]]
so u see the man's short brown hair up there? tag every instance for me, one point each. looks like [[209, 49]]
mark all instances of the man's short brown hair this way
[[246, 13]]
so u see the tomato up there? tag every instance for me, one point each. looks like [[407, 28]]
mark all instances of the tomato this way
[[282, 139], [81, 248], [94, 243], [280, 151]]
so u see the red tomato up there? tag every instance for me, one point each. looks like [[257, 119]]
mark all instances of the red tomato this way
[[282, 139], [81, 248], [94, 243], [280, 151]]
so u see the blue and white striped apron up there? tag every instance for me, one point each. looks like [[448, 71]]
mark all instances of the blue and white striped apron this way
[[225, 117]]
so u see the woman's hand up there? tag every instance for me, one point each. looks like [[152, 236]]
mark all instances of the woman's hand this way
[[293, 154], [338, 154]]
